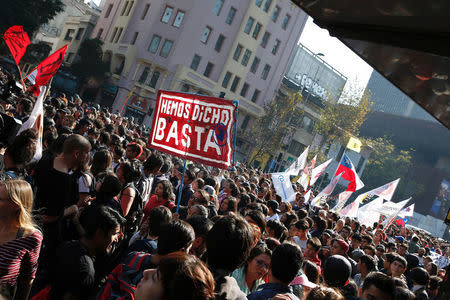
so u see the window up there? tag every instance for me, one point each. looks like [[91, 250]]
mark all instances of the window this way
[[144, 75], [129, 8], [265, 39], [79, 34], [235, 84], [99, 33], [69, 56], [118, 35], [124, 8], [255, 65], [256, 31], [185, 88], [244, 89], [258, 3], [246, 57], [285, 21], [249, 25], [205, 35], [113, 35], [167, 14], [245, 122], [265, 72], [237, 52], [307, 124], [226, 80], [154, 44], [255, 95], [231, 14], [208, 69], [108, 11], [267, 5], [154, 79], [69, 33], [133, 41], [219, 43], [276, 45], [195, 62], [178, 18], [296, 148], [166, 48], [144, 14], [218, 7], [276, 12]]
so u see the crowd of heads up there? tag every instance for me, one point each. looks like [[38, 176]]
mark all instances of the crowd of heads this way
[[214, 228]]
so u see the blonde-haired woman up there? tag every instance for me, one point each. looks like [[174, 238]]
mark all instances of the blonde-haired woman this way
[[20, 240]]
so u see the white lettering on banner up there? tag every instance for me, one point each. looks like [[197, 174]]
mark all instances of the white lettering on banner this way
[[311, 85], [194, 127]]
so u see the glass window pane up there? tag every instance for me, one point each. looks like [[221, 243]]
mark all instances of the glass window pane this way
[[256, 30], [178, 19], [246, 57], [195, 62], [285, 21], [249, 25], [258, 3], [255, 65], [166, 48], [154, 79], [154, 45], [218, 7], [205, 34], [167, 13], [231, 14], [235, 84], [237, 53], [275, 13], [267, 5], [219, 43], [226, 80]]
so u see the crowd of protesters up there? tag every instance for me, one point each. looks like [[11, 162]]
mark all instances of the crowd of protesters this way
[[97, 217]]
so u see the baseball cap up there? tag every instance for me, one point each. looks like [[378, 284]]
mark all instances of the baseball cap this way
[[400, 238], [303, 280]]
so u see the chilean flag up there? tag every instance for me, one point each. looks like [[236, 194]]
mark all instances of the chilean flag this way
[[349, 173]]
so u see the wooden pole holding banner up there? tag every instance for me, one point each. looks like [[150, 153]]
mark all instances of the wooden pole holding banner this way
[[236, 104], [180, 191], [126, 100]]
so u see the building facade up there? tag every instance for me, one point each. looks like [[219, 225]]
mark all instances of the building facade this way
[[318, 82], [56, 29], [225, 48], [389, 99]]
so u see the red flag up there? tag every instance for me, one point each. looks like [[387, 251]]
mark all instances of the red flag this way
[[17, 41], [46, 69]]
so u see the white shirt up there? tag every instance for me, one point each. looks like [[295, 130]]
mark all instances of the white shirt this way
[[275, 217]]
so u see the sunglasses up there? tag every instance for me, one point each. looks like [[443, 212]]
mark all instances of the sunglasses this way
[[261, 263]]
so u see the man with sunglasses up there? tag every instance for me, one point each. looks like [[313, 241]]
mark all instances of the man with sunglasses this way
[[199, 197]]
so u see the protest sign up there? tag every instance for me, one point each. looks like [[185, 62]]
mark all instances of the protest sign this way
[[194, 127], [283, 186]]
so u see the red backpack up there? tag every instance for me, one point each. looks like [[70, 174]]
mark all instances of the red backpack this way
[[122, 281]]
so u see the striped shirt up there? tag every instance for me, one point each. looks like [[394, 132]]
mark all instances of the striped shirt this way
[[19, 257]]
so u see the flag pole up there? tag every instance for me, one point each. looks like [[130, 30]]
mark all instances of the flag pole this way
[[181, 187]]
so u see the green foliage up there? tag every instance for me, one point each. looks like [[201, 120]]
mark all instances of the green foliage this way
[[269, 131], [386, 163], [340, 120], [90, 64], [31, 14]]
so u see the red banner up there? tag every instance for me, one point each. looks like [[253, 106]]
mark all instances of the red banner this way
[[17, 41], [46, 69], [194, 127]]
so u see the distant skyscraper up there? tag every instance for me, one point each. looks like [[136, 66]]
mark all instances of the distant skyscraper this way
[[388, 98]]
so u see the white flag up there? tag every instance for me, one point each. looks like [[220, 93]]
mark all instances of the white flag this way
[[391, 211], [317, 171], [342, 199], [326, 191], [283, 186], [306, 174], [307, 196], [36, 121], [385, 191], [299, 164], [350, 210], [367, 215], [407, 211]]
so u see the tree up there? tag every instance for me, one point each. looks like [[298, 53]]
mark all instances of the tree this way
[[31, 14], [386, 163], [340, 120], [272, 130], [36, 53], [90, 68]]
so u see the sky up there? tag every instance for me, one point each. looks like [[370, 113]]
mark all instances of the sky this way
[[336, 54]]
